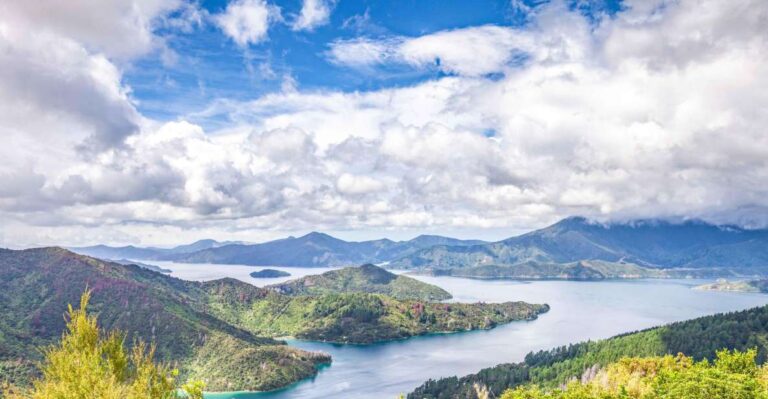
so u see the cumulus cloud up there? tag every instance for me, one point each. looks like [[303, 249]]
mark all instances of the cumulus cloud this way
[[247, 21], [611, 120], [314, 13], [473, 51]]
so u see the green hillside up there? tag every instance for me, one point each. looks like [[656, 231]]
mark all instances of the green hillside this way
[[36, 286], [366, 278], [699, 338], [732, 375], [354, 317]]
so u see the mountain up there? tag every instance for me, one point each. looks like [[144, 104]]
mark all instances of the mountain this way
[[648, 243], [36, 285], [699, 338], [146, 253], [366, 278], [315, 249]]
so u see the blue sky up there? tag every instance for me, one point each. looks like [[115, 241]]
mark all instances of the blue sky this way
[[210, 65], [160, 122]]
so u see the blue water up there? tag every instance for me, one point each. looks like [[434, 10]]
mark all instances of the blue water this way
[[579, 311]]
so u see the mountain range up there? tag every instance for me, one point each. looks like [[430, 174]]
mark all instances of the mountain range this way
[[640, 243], [647, 243], [148, 253], [311, 250]]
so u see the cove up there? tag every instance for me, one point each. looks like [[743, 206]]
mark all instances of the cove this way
[[579, 311]]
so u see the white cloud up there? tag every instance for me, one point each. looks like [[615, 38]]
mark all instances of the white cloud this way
[[616, 120], [362, 52], [351, 184], [247, 21], [314, 13]]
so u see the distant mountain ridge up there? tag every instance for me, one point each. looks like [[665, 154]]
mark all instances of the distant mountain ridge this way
[[647, 243], [313, 249], [650, 243], [147, 253]]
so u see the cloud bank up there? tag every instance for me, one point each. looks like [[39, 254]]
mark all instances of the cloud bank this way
[[658, 111]]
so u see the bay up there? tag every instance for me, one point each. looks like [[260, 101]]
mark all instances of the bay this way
[[579, 311]]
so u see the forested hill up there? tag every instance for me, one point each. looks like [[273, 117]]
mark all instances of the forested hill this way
[[366, 278], [699, 338], [36, 285], [652, 243]]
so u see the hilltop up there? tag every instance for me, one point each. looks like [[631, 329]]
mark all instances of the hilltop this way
[[366, 278]]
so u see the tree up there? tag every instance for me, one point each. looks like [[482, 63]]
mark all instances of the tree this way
[[88, 363]]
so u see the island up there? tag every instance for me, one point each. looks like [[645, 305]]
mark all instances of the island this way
[[367, 278], [735, 286], [269, 273]]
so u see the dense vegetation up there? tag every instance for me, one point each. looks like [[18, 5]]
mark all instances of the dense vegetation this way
[[89, 363], [699, 338], [737, 286], [354, 317], [732, 375], [366, 278], [269, 273], [36, 286]]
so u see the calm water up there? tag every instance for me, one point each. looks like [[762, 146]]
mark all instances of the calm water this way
[[580, 311]]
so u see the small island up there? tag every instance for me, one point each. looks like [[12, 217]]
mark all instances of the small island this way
[[735, 286], [269, 273]]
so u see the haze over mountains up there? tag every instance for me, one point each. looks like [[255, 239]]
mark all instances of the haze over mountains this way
[[647, 243], [313, 249]]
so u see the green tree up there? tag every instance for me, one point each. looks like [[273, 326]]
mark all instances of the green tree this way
[[90, 364]]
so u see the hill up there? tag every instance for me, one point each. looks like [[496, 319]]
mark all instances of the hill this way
[[315, 249], [646, 243], [366, 278], [37, 284], [699, 338], [359, 318]]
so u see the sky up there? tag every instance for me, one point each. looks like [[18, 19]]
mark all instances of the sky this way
[[159, 122]]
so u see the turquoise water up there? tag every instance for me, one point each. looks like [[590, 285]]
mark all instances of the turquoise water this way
[[580, 311]]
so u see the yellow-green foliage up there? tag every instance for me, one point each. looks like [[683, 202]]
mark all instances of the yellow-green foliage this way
[[90, 364], [733, 375]]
